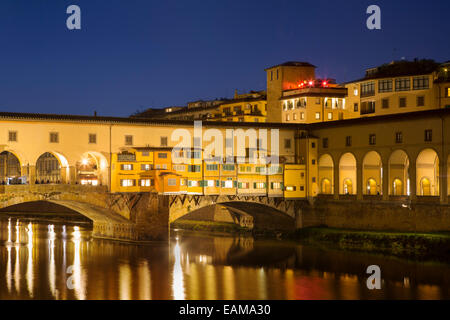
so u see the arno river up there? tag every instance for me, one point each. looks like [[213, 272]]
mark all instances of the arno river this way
[[56, 261]]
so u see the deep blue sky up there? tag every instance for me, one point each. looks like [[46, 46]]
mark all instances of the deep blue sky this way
[[132, 54]]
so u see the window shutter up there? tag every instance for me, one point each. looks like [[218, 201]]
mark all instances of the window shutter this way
[[282, 186], [223, 184], [235, 183], [271, 185], [217, 183], [240, 185], [254, 185]]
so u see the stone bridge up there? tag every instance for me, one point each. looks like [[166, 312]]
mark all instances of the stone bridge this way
[[131, 216]]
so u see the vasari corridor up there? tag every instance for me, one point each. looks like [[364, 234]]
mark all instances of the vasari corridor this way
[[224, 159]]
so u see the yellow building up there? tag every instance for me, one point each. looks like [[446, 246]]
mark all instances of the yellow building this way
[[318, 101], [247, 109], [400, 87], [144, 170]]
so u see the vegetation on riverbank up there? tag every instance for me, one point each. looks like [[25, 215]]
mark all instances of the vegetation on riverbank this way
[[209, 226], [409, 245]]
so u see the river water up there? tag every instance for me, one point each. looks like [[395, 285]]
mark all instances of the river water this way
[[56, 261]]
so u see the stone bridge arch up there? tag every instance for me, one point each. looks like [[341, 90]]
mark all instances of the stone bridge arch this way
[[181, 205], [112, 214]]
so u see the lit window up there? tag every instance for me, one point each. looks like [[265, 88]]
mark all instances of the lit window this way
[[330, 116], [447, 92], [275, 185], [228, 184], [146, 167], [355, 92], [317, 115], [192, 183], [126, 167], [302, 115], [287, 117], [295, 116], [291, 188], [259, 185], [127, 182], [145, 183]]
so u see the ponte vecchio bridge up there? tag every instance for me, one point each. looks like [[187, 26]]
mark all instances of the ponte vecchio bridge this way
[[399, 159]]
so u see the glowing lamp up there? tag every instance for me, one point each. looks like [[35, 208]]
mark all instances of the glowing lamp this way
[[324, 83], [310, 83], [84, 162]]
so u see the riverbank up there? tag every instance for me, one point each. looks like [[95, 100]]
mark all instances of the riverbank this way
[[407, 245], [423, 246]]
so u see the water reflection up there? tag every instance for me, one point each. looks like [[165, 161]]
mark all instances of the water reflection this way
[[178, 281], [42, 261], [29, 274]]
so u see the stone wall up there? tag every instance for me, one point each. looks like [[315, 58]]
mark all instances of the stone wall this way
[[376, 215]]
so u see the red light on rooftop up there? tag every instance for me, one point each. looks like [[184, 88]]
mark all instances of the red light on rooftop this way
[[324, 83]]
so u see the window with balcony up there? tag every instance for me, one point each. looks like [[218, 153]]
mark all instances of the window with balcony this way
[[421, 83], [367, 89], [402, 84], [228, 167], [385, 86]]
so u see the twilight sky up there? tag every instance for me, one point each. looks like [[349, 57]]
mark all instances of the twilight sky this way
[[133, 54]]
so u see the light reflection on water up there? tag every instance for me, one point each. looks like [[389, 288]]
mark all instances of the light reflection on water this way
[[55, 261]]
